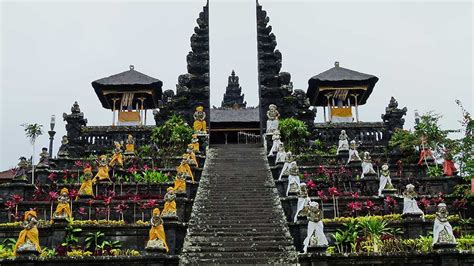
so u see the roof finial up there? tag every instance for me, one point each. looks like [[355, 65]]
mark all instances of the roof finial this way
[[132, 67], [336, 64]]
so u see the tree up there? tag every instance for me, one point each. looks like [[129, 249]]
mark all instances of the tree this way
[[293, 134], [33, 131]]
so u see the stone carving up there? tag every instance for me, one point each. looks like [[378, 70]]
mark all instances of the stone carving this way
[[232, 96], [75, 122], [275, 143], [385, 180], [157, 238], [442, 230], [315, 233], [303, 201], [426, 155], [28, 240], [117, 157], [293, 179], [195, 143], [281, 154], [199, 124], [343, 145], [44, 158], [63, 210], [180, 183], [353, 153], [410, 205], [393, 117], [192, 156], [286, 165], [184, 168], [273, 119], [367, 167], [63, 149], [21, 170], [169, 210], [103, 172], [130, 145], [86, 191]]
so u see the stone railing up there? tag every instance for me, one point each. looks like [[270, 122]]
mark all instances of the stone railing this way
[[99, 139], [369, 133]]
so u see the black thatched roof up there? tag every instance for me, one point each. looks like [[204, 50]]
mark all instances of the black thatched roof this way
[[235, 115], [128, 81], [339, 77]]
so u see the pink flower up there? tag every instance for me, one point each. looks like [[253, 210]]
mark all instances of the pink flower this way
[[424, 202], [135, 198], [52, 177], [355, 195], [90, 202], [369, 204], [120, 208], [145, 167], [78, 163], [10, 204], [354, 206], [73, 193], [333, 192], [310, 184], [16, 198], [53, 195], [107, 200], [150, 203], [82, 211], [321, 195]]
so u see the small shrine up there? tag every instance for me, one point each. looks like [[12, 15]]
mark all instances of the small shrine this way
[[340, 91], [233, 97], [129, 94]]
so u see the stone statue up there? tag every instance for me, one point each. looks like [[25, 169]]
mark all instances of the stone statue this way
[[343, 142], [367, 167], [353, 153], [281, 154], [449, 169], [169, 210], [303, 201], [442, 230], [192, 156], [63, 210], [273, 119], [409, 201], [157, 237], [385, 181], [286, 165], [315, 233], [130, 145], [103, 172], [117, 157], [293, 179], [275, 143], [44, 159], [21, 171], [28, 240], [195, 143], [200, 120], [63, 151], [184, 168], [86, 191], [180, 183], [426, 155]]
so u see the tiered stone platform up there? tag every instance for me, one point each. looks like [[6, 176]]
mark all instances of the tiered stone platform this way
[[237, 216]]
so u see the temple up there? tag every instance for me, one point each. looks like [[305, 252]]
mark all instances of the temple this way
[[233, 97]]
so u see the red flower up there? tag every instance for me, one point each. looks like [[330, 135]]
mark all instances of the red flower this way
[[16, 198], [10, 204], [132, 169], [78, 163], [73, 193], [111, 193], [145, 167], [333, 192], [120, 208], [135, 198], [107, 200], [52, 177], [82, 211], [53, 195], [460, 204], [150, 203], [354, 206], [310, 184], [355, 195], [90, 202], [306, 175], [369, 204], [321, 195], [424, 202]]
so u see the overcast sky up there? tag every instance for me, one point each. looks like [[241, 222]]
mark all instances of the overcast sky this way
[[52, 51]]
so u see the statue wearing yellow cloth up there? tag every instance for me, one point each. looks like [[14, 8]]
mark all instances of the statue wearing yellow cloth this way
[[85, 191], [185, 168], [180, 183], [192, 156], [199, 120], [63, 210], [195, 143], [130, 146], [157, 237], [28, 240], [103, 173], [169, 210], [117, 158]]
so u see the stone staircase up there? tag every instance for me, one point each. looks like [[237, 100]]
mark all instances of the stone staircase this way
[[237, 216]]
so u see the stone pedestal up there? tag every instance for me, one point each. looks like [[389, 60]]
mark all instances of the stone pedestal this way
[[354, 164], [317, 249], [389, 192], [413, 225], [20, 181], [271, 160], [25, 253], [444, 246]]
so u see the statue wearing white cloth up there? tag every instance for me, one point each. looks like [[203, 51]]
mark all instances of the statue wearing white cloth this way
[[286, 166], [273, 115], [303, 201], [409, 202], [367, 167], [281, 154], [442, 230], [275, 143], [385, 181], [343, 142], [315, 234], [293, 179]]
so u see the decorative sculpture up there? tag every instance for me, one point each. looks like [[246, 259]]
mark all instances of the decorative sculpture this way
[[442, 230], [103, 172], [272, 115], [195, 143], [63, 210], [315, 234], [367, 167], [180, 183], [410, 206], [117, 157], [21, 171], [184, 168], [281, 154], [44, 159], [169, 210], [200, 120], [28, 240], [293, 179], [63, 149], [449, 169], [192, 156], [276, 143], [353, 153], [426, 155], [130, 145], [303, 201], [286, 165], [86, 191], [343, 145], [157, 237], [385, 180]]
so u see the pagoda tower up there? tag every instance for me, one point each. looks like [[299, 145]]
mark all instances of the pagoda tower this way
[[233, 97]]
